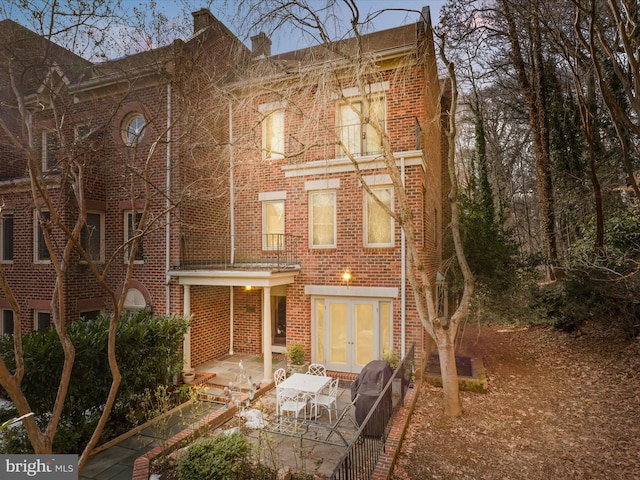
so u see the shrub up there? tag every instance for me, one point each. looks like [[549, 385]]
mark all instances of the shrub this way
[[148, 354], [223, 457], [295, 353]]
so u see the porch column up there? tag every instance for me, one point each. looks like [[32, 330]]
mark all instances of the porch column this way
[[186, 345], [266, 333]]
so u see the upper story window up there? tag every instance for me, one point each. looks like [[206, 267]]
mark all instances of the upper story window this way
[[273, 135], [82, 132], [49, 149], [92, 236], [6, 322], [356, 129], [322, 219], [378, 224], [40, 250], [6, 238], [131, 229], [133, 128], [273, 224]]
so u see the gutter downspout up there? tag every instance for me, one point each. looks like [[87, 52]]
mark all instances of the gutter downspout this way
[[167, 233], [231, 226], [403, 281]]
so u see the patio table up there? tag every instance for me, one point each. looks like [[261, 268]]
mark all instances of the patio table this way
[[303, 382]]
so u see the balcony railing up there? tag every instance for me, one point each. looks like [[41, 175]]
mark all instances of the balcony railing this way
[[258, 251]]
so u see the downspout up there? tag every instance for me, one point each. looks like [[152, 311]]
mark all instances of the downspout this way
[[231, 227], [403, 280], [167, 232]]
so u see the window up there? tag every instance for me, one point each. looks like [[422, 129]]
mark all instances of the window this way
[[133, 129], [130, 231], [40, 250], [42, 320], [322, 218], [273, 225], [273, 135], [6, 325], [356, 130], [49, 149], [90, 314], [92, 236], [82, 132], [6, 237], [378, 224]]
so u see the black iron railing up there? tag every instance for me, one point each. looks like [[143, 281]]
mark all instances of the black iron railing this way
[[269, 251], [362, 454]]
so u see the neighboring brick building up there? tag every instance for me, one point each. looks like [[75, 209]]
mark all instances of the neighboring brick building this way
[[239, 166]]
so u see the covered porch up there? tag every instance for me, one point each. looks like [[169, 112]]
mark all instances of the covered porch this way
[[266, 281]]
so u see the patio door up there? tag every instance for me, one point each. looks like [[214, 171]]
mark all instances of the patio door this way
[[348, 332]]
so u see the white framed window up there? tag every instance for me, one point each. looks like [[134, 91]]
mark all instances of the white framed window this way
[[6, 238], [131, 227], [6, 321], [322, 219], [41, 319], [273, 135], [50, 146], [378, 224], [273, 224], [40, 251], [356, 125], [92, 236], [133, 128]]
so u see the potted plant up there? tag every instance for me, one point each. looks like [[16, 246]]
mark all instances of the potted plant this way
[[295, 353]]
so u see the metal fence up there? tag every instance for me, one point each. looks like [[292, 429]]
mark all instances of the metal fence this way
[[362, 454]]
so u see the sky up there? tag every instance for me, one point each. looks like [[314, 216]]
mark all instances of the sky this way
[[227, 12]]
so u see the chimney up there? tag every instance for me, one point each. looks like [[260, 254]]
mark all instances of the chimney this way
[[260, 45], [202, 19]]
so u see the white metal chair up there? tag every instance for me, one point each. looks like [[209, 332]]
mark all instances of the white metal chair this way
[[317, 369], [329, 401], [292, 401], [279, 375]]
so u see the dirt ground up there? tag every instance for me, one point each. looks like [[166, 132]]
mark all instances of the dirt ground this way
[[559, 406]]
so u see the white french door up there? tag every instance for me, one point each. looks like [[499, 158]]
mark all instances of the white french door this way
[[350, 332]]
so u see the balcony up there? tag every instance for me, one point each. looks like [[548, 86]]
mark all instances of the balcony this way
[[275, 252]]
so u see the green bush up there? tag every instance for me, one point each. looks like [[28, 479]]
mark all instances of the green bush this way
[[148, 354], [223, 457]]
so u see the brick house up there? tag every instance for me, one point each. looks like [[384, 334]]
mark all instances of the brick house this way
[[238, 170]]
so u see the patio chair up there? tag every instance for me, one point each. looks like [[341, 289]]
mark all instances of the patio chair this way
[[279, 375], [317, 369], [329, 401], [293, 401]]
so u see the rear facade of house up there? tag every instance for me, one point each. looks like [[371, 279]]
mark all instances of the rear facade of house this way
[[257, 224]]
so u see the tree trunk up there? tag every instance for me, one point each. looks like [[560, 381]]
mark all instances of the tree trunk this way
[[449, 372]]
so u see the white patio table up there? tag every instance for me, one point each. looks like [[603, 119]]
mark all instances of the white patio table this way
[[303, 382]]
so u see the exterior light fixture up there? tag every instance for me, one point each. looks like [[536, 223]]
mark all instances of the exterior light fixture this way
[[247, 288], [347, 276]]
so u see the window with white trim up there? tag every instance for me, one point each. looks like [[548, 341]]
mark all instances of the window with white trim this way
[[92, 236], [133, 128], [6, 237], [273, 224], [356, 128], [378, 224], [50, 146], [6, 324], [41, 320], [131, 228], [273, 135], [40, 251], [322, 219]]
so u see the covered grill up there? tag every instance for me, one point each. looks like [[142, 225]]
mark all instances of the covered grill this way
[[368, 387]]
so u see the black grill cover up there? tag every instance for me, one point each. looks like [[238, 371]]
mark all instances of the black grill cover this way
[[369, 385]]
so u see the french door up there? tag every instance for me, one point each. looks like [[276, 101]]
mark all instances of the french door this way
[[350, 332]]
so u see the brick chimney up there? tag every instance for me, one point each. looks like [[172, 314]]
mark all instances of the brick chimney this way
[[260, 45], [202, 19]]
